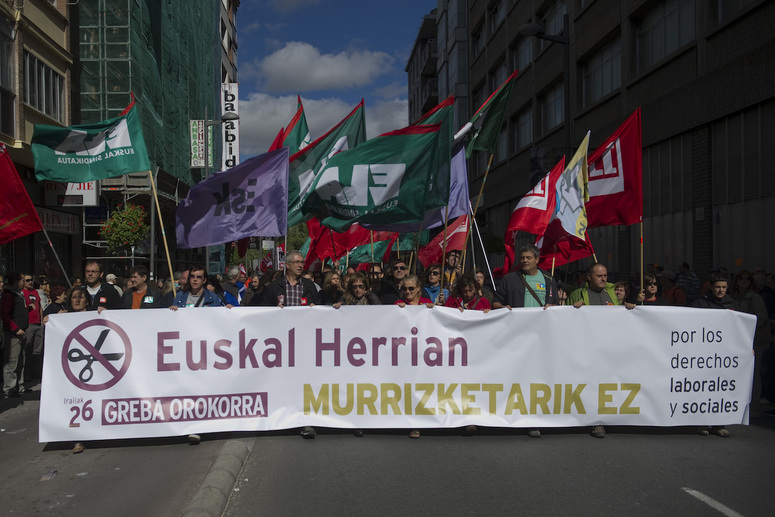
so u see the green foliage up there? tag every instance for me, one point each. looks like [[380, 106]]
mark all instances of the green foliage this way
[[296, 236], [125, 228]]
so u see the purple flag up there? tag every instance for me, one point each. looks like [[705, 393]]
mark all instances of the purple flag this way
[[250, 199]]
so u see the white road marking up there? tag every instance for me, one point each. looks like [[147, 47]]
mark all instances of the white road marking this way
[[729, 512]]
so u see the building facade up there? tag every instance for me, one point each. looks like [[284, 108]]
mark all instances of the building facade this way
[[703, 74], [36, 71]]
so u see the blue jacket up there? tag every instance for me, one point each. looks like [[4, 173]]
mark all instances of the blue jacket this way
[[210, 299]]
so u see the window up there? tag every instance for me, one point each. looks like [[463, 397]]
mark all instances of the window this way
[[552, 103], [523, 129], [7, 95], [663, 30], [497, 15], [603, 72], [726, 10], [522, 54], [477, 42], [501, 150], [499, 75], [553, 21], [43, 88]]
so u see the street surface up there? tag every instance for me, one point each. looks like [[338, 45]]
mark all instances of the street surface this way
[[633, 471]]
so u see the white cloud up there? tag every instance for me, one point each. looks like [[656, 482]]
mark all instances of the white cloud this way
[[299, 66], [262, 116], [392, 90]]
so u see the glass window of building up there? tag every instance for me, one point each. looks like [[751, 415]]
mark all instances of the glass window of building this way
[[552, 108], [664, 29], [499, 75], [477, 42], [553, 20], [603, 72], [43, 88], [522, 53], [497, 15], [7, 95], [523, 129]]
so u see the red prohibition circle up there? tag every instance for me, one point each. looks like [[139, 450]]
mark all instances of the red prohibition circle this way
[[75, 335]]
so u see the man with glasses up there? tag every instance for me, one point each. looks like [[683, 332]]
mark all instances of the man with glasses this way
[[292, 290], [34, 337], [196, 295], [142, 295], [390, 289], [101, 295]]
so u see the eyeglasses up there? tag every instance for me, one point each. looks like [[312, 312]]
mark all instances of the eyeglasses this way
[[433, 273], [410, 288], [399, 268], [28, 279], [196, 276], [652, 283], [359, 286]]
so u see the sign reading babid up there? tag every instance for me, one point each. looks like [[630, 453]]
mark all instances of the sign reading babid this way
[[123, 374]]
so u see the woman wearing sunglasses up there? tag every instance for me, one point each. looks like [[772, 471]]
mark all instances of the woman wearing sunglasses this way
[[358, 292], [411, 293], [650, 291]]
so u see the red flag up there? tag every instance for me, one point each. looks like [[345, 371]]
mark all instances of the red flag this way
[[278, 140], [456, 240], [533, 212], [328, 244], [616, 177], [566, 250], [17, 213]]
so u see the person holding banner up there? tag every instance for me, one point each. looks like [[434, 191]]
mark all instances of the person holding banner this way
[[389, 290], [432, 287], [196, 295], [291, 289], [465, 295], [528, 287], [358, 292], [101, 295]]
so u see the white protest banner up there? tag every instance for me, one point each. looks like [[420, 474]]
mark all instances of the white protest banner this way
[[155, 372]]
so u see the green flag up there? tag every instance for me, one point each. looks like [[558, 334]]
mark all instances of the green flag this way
[[77, 154], [296, 135], [362, 254], [486, 122], [348, 133], [384, 180]]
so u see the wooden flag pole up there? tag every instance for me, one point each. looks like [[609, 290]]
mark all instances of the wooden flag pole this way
[[444, 249], [554, 258], [161, 224], [371, 235], [56, 255]]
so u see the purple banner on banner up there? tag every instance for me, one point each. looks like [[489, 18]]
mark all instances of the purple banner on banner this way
[[250, 199]]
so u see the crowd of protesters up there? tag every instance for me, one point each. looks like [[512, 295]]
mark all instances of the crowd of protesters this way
[[27, 301]]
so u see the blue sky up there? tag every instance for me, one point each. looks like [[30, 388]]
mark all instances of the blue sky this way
[[332, 53]]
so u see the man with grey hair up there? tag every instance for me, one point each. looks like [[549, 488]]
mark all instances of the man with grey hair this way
[[293, 290], [230, 284]]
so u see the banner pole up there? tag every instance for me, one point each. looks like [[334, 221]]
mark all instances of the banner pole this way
[[641, 257], [481, 243], [161, 224], [444, 249], [56, 255], [476, 208], [371, 235]]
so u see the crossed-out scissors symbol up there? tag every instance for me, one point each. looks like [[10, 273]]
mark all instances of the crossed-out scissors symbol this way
[[76, 355]]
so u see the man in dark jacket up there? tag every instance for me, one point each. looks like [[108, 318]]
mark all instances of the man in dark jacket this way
[[13, 312], [291, 289], [716, 297], [528, 286], [142, 295], [100, 295]]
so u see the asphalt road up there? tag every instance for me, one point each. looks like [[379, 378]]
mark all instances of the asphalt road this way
[[632, 472], [114, 478]]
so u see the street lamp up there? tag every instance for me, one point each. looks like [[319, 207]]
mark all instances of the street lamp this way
[[227, 117], [534, 29]]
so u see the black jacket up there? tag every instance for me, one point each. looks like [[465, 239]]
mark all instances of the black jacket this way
[[106, 297], [276, 289], [511, 290]]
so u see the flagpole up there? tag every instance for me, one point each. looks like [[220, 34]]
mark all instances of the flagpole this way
[[161, 224], [641, 257], [444, 248], [51, 245], [481, 243], [478, 200], [416, 246], [371, 235], [554, 259]]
